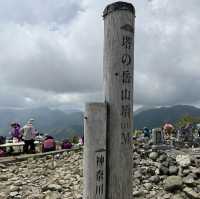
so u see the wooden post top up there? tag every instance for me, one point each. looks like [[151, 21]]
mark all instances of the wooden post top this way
[[119, 5]]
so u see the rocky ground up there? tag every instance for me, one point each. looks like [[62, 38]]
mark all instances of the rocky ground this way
[[43, 178], [156, 174]]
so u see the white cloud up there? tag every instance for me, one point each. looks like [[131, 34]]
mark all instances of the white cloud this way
[[51, 53]]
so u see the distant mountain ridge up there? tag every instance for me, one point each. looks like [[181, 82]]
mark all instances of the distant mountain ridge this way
[[158, 116], [142, 109], [54, 122], [64, 124]]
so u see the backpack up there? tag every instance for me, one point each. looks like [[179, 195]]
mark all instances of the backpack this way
[[66, 145], [49, 144]]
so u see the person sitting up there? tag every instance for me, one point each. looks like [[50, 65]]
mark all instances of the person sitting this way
[[81, 141], [146, 132], [2, 139], [2, 149], [28, 136], [15, 132], [15, 135], [188, 132], [48, 144], [2, 152], [168, 130], [66, 144]]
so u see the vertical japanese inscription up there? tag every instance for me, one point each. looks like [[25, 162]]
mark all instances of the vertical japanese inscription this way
[[126, 90], [126, 77], [127, 42], [100, 174], [126, 111], [125, 138], [126, 59]]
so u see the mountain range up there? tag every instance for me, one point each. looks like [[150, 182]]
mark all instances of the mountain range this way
[[156, 117], [63, 124], [60, 124]]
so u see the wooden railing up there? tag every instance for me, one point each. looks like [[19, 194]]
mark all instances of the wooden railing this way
[[10, 159]]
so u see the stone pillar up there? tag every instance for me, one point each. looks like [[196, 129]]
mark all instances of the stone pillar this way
[[119, 22], [94, 161], [157, 136]]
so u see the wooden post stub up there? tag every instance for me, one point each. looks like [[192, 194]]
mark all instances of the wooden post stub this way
[[94, 161]]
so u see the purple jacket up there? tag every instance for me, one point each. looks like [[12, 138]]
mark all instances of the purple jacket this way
[[66, 145], [15, 132]]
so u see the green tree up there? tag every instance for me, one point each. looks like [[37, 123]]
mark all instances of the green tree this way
[[187, 119]]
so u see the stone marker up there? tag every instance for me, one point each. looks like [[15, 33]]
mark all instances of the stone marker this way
[[119, 22], [157, 136], [94, 164], [158, 140]]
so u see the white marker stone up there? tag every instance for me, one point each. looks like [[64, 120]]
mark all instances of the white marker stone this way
[[94, 161]]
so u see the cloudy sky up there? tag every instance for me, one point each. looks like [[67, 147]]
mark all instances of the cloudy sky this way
[[52, 51]]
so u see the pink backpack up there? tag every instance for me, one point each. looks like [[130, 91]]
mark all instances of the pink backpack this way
[[48, 144]]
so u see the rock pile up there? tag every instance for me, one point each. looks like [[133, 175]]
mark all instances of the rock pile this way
[[158, 175], [43, 178]]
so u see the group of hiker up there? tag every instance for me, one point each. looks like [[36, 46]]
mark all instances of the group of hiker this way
[[184, 133], [29, 134]]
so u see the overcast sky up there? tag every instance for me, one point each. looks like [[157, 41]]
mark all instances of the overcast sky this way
[[52, 52]]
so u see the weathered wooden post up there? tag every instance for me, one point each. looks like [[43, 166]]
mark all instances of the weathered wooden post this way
[[94, 161], [119, 22]]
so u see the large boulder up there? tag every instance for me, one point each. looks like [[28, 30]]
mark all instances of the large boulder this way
[[183, 160], [154, 179], [164, 170], [137, 174], [162, 157], [173, 183], [153, 156], [173, 170], [191, 193], [189, 180], [53, 195], [54, 187]]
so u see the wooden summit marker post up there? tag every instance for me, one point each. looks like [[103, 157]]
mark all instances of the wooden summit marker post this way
[[119, 22], [107, 163]]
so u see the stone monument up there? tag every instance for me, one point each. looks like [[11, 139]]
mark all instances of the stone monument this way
[[157, 136], [94, 164]]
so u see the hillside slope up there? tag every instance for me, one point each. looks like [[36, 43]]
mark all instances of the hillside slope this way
[[157, 117]]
